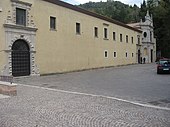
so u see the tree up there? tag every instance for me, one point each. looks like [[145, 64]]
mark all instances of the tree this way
[[161, 14], [143, 10]]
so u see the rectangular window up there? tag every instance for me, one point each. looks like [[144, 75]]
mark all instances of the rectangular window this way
[[95, 31], [106, 54], [138, 39], [126, 54], [105, 33], [52, 23], [132, 40], [20, 16], [77, 28], [114, 54], [127, 38], [121, 39], [114, 36]]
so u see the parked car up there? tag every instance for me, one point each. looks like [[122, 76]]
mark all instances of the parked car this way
[[163, 66]]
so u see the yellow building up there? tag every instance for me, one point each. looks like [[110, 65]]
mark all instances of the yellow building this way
[[51, 36]]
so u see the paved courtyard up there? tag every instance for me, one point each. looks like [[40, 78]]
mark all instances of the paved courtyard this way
[[39, 107], [137, 83], [111, 97]]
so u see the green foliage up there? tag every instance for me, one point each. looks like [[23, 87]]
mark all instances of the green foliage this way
[[115, 10], [160, 9], [161, 15]]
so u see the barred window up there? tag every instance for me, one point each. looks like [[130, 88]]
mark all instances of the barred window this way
[[20, 16]]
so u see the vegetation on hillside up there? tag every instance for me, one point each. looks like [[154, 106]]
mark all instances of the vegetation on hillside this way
[[160, 9], [115, 10]]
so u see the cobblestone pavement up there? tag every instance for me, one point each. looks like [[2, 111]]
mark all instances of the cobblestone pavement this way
[[40, 107], [137, 83]]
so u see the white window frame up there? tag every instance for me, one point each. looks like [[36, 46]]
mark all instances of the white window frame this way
[[107, 54], [114, 54]]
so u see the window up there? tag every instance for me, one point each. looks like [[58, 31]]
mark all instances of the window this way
[[126, 54], [106, 54], [114, 54], [52, 23], [105, 33], [114, 36], [132, 54], [95, 31], [145, 34], [127, 38], [121, 39], [77, 28], [20, 16], [132, 40], [138, 36]]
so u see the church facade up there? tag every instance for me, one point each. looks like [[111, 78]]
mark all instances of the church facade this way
[[48, 36], [147, 48]]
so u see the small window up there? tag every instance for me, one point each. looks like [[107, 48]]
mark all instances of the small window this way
[[121, 39], [127, 38], [132, 40], [145, 34], [52, 23], [77, 28], [126, 54], [105, 33], [95, 31], [114, 54], [114, 36], [20, 16], [106, 54], [138, 39], [132, 54]]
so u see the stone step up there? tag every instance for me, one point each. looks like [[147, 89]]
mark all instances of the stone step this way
[[7, 88]]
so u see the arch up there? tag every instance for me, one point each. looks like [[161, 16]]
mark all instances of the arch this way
[[20, 58], [20, 45]]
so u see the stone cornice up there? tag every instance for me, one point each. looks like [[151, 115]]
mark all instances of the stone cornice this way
[[20, 27], [21, 2]]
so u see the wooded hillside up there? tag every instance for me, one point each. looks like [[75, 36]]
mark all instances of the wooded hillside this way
[[160, 9]]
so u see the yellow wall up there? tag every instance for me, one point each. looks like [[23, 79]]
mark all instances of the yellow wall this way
[[62, 50], [5, 5]]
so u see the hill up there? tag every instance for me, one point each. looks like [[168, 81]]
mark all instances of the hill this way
[[115, 10]]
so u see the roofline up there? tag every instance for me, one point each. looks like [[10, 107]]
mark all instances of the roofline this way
[[75, 8]]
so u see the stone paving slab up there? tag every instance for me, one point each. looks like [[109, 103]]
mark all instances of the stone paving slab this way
[[3, 96], [39, 107]]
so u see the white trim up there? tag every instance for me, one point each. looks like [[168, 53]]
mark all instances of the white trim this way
[[126, 54], [113, 54], [107, 54], [1, 9], [115, 36]]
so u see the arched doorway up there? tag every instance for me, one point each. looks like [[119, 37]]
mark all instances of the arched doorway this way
[[20, 58]]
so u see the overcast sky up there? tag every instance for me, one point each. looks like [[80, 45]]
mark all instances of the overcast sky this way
[[130, 2]]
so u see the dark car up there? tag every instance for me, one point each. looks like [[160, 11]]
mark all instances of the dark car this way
[[163, 66]]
